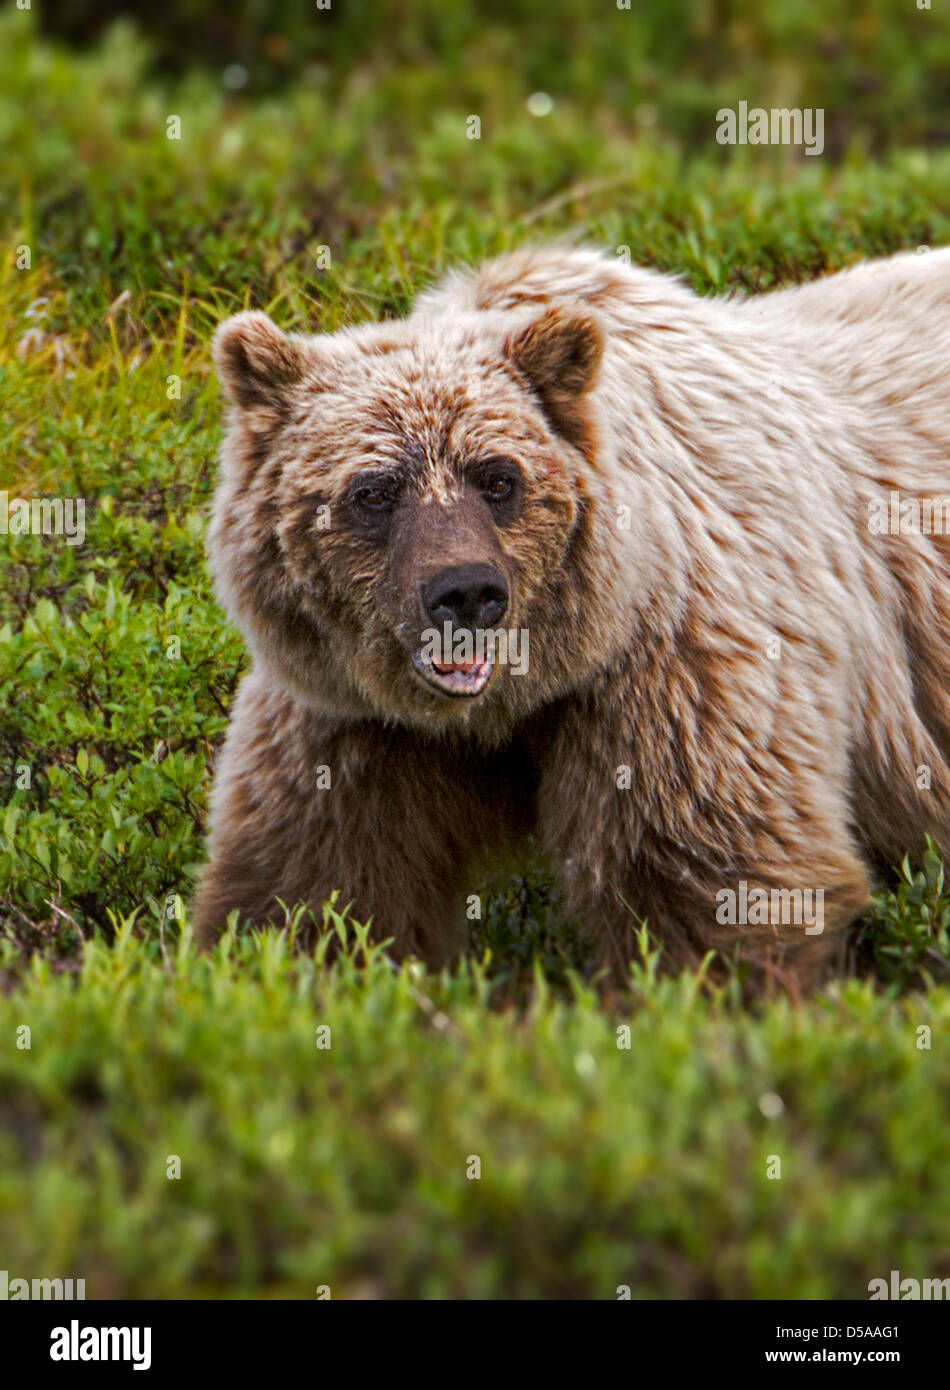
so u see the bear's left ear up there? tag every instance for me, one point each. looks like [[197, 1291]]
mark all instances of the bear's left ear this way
[[256, 362], [559, 354]]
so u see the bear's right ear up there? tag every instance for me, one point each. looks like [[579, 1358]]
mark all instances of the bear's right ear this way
[[256, 362]]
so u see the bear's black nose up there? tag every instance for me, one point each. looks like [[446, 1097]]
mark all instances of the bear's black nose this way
[[467, 596]]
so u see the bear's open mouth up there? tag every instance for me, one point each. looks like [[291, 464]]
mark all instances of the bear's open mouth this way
[[454, 677]]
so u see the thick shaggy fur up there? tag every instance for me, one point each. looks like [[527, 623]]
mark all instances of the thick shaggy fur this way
[[694, 483]]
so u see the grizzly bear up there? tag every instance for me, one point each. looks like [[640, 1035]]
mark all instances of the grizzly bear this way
[[691, 518]]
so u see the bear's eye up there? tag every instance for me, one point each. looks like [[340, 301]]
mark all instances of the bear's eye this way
[[498, 479], [500, 483], [499, 488], [375, 499]]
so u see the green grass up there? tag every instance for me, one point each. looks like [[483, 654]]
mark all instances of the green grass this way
[[346, 1166], [601, 1166]]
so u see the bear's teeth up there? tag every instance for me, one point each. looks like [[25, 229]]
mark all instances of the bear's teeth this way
[[467, 678]]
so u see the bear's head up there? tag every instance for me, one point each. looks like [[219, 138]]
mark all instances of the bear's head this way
[[404, 526]]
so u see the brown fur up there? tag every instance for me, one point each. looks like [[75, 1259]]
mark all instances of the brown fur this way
[[689, 479]]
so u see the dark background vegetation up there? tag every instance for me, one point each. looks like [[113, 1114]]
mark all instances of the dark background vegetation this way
[[887, 62]]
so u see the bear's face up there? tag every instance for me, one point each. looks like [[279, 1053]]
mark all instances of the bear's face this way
[[394, 498]]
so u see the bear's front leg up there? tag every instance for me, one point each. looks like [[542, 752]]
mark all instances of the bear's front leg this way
[[739, 847], [303, 805], [780, 919]]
